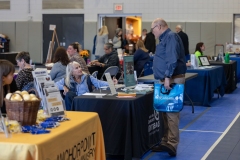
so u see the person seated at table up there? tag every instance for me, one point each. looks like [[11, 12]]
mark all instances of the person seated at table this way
[[60, 61], [109, 59], [141, 56], [24, 77], [199, 51], [7, 83], [77, 83], [73, 52]]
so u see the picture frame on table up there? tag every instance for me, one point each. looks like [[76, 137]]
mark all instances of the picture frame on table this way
[[204, 60]]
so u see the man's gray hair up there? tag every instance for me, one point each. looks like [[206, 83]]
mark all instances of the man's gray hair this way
[[160, 22], [179, 27]]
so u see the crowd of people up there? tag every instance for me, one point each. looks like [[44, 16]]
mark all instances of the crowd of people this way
[[71, 75]]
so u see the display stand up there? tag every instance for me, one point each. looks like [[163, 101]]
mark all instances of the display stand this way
[[51, 46]]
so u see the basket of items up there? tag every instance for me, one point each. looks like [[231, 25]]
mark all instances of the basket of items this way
[[22, 107]]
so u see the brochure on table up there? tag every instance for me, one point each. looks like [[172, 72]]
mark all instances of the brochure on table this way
[[194, 61], [48, 92], [128, 65]]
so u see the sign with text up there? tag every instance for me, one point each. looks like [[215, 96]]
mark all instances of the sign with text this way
[[118, 7], [53, 100]]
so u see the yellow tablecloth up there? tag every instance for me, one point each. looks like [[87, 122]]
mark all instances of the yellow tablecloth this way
[[79, 138]]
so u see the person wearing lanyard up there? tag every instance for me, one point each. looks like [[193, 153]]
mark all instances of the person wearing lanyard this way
[[169, 66]]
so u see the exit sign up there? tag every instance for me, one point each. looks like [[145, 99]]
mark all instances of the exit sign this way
[[118, 7]]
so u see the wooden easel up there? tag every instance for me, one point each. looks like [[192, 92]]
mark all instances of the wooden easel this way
[[51, 46]]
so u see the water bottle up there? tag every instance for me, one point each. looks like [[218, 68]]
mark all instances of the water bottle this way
[[220, 55], [227, 58]]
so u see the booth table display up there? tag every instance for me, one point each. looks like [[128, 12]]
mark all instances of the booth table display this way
[[130, 125], [79, 138], [150, 78], [230, 71], [237, 59], [201, 89]]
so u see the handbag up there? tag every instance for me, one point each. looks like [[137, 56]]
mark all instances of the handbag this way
[[168, 100]]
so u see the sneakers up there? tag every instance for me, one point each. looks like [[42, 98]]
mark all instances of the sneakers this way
[[170, 149]]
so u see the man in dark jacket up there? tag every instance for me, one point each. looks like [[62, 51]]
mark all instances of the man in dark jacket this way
[[110, 58], [184, 38], [150, 42]]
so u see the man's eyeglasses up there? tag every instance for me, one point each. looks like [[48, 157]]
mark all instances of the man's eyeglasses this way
[[153, 28]]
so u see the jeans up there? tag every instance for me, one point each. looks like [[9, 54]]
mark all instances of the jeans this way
[[69, 99]]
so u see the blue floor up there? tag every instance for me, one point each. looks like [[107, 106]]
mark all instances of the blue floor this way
[[200, 130]]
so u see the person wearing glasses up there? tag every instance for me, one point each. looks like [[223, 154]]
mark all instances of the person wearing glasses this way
[[169, 66], [110, 58]]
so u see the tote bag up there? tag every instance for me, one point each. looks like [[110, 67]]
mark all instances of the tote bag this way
[[168, 100]]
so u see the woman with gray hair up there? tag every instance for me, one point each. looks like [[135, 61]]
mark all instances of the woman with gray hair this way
[[117, 39], [77, 83]]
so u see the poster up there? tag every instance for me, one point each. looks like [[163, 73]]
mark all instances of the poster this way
[[128, 66]]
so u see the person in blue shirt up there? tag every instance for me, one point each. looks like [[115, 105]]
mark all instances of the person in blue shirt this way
[[60, 61], [169, 66], [141, 56], [75, 83]]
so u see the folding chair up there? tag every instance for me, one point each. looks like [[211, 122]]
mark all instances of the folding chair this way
[[94, 74], [113, 70]]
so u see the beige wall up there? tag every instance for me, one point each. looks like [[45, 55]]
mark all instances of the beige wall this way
[[27, 36], [210, 33], [24, 36]]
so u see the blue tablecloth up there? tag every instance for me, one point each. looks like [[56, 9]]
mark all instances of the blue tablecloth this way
[[201, 89], [238, 66]]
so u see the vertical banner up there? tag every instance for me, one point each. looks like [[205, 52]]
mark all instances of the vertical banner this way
[[128, 66]]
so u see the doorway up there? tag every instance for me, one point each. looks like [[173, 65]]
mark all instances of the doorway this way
[[128, 23], [69, 28]]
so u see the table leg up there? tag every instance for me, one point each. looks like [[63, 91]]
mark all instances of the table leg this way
[[190, 101]]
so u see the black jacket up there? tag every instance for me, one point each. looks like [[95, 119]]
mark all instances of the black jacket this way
[[150, 42], [109, 59], [184, 38]]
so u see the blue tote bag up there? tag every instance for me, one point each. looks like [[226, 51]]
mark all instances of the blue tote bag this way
[[168, 100]]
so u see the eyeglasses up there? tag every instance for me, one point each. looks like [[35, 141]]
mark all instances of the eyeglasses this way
[[106, 49], [153, 28]]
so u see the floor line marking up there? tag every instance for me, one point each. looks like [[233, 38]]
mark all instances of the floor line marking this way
[[220, 138], [189, 124], [199, 131]]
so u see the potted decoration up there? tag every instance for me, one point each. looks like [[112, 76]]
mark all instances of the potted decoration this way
[[85, 54]]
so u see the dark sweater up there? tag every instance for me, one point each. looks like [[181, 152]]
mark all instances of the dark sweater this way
[[140, 58], [184, 38]]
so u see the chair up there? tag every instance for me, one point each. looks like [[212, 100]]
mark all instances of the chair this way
[[113, 70], [94, 74]]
